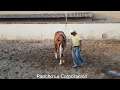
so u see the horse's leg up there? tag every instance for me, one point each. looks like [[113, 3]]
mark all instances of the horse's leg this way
[[55, 46], [61, 55], [61, 59]]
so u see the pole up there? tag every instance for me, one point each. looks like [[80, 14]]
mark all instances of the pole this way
[[66, 20], [67, 34]]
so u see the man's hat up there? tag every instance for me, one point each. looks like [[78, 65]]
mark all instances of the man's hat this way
[[72, 30]]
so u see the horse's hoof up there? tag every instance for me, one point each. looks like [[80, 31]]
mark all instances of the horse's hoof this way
[[63, 61], [60, 63], [56, 55]]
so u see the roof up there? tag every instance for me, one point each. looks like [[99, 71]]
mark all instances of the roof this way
[[58, 15]]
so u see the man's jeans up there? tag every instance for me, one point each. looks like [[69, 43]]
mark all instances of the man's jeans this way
[[76, 55]]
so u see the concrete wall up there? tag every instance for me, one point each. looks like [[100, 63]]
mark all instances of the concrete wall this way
[[46, 31]]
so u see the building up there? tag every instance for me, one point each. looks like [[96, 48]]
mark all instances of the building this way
[[43, 24], [47, 18], [59, 17]]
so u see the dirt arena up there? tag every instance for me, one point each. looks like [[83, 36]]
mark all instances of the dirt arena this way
[[20, 59]]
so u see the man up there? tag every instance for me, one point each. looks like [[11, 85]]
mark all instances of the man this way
[[76, 48]]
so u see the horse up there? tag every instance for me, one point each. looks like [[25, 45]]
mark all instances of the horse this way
[[59, 45]]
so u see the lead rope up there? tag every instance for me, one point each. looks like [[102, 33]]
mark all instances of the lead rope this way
[[67, 50]]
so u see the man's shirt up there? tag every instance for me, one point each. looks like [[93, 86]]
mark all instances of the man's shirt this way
[[76, 40]]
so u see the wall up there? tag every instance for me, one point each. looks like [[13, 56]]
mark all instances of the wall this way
[[46, 31]]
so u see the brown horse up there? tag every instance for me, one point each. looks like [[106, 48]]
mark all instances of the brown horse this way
[[59, 44]]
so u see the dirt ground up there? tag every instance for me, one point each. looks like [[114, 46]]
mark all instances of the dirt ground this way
[[20, 59]]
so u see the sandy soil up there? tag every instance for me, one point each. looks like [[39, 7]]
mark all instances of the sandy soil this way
[[27, 59]]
